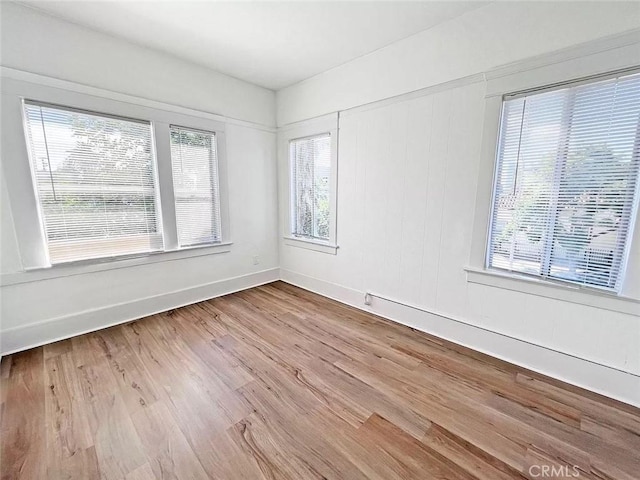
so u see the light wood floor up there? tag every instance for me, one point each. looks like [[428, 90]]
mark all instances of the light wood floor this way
[[276, 382]]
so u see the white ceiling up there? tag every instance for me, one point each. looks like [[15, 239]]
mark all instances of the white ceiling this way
[[273, 44]]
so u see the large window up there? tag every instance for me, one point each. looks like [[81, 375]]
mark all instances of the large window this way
[[95, 181], [195, 185], [310, 189], [117, 185], [566, 185]]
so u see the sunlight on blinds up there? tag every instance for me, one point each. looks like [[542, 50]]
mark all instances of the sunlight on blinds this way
[[95, 181], [310, 163], [196, 188], [567, 180]]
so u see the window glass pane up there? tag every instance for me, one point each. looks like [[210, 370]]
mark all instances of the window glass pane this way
[[566, 184], [310, 162], [196, 190], [95, 181]]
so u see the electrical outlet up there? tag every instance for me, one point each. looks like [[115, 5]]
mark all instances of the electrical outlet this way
[[256, 259]]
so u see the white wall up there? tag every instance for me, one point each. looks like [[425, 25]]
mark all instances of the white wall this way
[[408, 173], [35, 310], [42, 310], [9, 255], [407, 180], [252, 180], [42, 44], [484, 38]]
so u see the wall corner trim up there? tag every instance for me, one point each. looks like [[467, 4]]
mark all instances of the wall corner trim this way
[[601, 379], [40, 333]]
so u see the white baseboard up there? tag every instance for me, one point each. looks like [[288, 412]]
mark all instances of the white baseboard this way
[[583, 373], [33, 335], [598, 378]]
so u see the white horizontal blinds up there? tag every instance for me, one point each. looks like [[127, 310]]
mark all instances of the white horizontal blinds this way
[[310, 160], [524, 186], [567, 181], [94, 176], [196, 187]]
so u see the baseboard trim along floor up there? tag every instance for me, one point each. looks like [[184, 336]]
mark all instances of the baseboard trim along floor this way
[[611, 382], [40, 333], [278, 382]]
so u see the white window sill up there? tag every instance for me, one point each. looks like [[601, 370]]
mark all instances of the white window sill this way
[[99, 265], [310, 244], [559, 291]]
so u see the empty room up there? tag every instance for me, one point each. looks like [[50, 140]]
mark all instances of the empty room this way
[[319, 240]]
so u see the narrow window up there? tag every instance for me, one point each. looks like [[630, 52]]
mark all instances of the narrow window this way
[[310, 164], [196, 187]]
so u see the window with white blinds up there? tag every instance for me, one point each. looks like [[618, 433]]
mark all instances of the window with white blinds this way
[[566, 186], [310, 164], [95, 180], [196, 188]]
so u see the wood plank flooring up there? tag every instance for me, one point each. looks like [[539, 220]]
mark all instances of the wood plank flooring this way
[[278, 383]]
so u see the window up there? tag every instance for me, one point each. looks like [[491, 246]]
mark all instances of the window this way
[[310, 164], [308, 169], [109, 186], [566, 184], [195, 182], [94, 176]]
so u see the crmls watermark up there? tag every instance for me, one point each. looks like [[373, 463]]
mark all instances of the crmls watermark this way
[[553, 471]]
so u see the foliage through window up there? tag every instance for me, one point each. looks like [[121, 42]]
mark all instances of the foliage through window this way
[[310, 163], [95, 182], [566, 182], [195, 186]]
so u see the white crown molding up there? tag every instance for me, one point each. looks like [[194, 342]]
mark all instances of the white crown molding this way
[[594, 47], [608, 53], [7, 72]]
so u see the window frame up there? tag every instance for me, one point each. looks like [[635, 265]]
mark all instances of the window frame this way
[[156, 186], [548, 247], [217, 198], [327, 124], [25, 207], [292, 204], [538, 77]]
